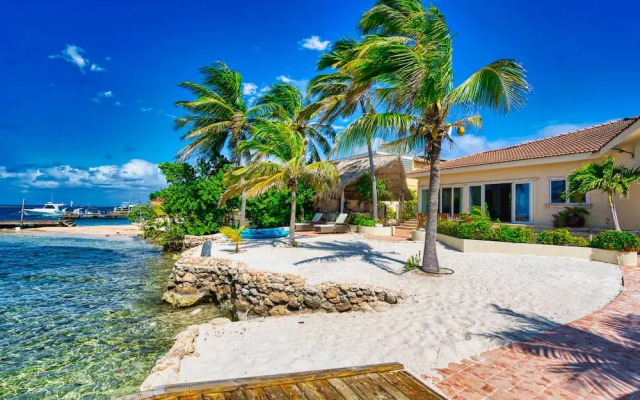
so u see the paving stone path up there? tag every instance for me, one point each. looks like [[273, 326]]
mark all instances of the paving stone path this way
[[596, 357]]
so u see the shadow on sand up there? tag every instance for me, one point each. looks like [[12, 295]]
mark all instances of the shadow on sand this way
[[340, 251], [600, 351]]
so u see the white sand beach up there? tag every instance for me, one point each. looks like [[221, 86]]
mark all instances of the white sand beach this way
[[488, 301], [101, 231]]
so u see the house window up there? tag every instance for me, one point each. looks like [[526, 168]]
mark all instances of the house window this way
[[451, 200], [475, 196], [557, 187], [425, 201]]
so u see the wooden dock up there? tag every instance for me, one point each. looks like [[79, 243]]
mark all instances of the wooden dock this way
[[34, 224], [382, 381]]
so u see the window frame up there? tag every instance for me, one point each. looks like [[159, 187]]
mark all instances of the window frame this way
[[567, 201]]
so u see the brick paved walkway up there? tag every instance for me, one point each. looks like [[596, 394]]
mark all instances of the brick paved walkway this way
[[596, 357]]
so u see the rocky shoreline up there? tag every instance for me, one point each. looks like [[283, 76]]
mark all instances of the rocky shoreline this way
[[259, 293]]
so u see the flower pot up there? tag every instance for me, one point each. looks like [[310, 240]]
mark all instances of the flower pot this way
[[627, 258]]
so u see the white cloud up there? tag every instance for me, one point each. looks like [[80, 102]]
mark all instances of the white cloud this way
[[556, 129], [108, 93], [469, 144], [249, 89], [314, 43], [96, 68], [117, 103], [107, 58], [301, 84], [136, 174], [145, 109], [74, 55]]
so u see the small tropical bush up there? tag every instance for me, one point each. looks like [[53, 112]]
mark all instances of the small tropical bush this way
[[616, 240], [234, 235], [512, 234], [478, 230], [391, 212], [413, 262], [409, 207], [446, 227], [561, 237], [361, 220], [573, 217]]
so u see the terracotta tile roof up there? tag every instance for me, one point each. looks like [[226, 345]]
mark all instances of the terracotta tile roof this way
[[587, 140]]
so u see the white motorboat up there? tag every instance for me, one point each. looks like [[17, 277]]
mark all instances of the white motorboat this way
[[48, 210]]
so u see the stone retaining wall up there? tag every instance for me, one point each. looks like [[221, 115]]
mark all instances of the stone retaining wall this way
[[191, 241], [261, 293]]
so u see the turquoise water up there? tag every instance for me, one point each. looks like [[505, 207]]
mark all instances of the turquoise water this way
[[83, 318]]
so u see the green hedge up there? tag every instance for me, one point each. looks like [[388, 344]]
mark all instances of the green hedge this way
[[485, 230], [616, 240], [361, 219], [561, 237]]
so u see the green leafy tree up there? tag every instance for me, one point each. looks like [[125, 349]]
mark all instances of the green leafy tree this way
[[408, 50], [365, 188], [613, 180], [219, 117], [193, 194], [286, 148], [271, 209]]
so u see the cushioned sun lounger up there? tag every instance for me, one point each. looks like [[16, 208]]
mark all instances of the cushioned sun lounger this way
[[308, 225], [340, 226]]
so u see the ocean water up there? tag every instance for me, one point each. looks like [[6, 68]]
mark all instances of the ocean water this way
[[83, 318], [12, 213]]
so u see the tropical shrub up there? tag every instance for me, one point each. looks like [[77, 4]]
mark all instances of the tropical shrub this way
[[512, 234], [557, 237], [446, 227], [477, 230], [234, 235], [616, 240], [361, 220], [409, 206], [273, 208], [391, 212], [413, 262], [365, 188]]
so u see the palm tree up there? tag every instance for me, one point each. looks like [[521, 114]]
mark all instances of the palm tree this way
[[287, 148], [408, 51], [607, 177], [338, 96], [287, 104], [219, 118]]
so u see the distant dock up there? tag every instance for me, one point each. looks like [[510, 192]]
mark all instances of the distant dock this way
[[35, 224], [93, 216]]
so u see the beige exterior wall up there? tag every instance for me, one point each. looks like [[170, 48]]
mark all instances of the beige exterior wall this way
[[539, 172]]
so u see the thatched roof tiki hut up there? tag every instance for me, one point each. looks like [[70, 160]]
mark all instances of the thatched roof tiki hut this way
[[346, 198]]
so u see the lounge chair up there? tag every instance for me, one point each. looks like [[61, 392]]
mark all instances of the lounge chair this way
[[340, 226], [308, 225]]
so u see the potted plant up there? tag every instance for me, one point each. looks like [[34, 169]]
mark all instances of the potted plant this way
[[571, 217]]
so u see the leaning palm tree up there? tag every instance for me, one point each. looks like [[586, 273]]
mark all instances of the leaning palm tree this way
[[408, 51], [338, 96], [611, 179], [286, 148], [287, 105], [219, 118]]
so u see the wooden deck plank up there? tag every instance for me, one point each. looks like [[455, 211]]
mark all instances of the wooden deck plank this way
[[213, 396], [275, 393], [294, 392], [255, 394], [409, 385], [235, 395], [396, 393], [323, 387], [366, 389], [344, 389]]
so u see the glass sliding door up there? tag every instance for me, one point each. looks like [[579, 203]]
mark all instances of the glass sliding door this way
[[425, 201], [522, 203], [446, 197], [475, 196], [457, 200]]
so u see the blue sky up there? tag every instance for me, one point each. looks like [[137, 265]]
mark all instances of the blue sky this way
[[88, 87]]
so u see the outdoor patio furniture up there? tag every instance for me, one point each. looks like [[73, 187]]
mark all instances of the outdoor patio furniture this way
[[443, 216], [309, 225], [340, 226]]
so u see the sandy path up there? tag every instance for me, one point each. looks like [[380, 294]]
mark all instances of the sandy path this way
[[87, 231], [443, 319]]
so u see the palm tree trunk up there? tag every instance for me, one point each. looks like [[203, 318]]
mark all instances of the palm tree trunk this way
[[374, 186], [292, 220], [430, 259], [614, 213], [243, 198]]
